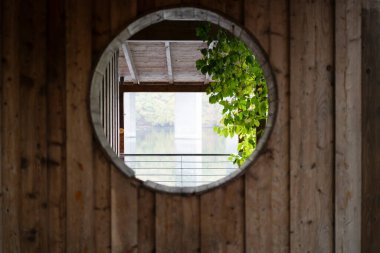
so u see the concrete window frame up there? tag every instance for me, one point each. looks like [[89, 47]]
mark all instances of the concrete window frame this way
[[181, 14]]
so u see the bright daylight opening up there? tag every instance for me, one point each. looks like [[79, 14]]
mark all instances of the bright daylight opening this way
[[187, 103], [169, 138]]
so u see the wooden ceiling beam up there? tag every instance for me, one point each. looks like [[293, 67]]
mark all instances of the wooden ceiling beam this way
[[163, 87], [130, 63], [169, 62]]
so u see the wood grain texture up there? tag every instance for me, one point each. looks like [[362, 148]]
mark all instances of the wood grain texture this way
[[102, 190], [10, 132], [222, 219], [311, 123], [146, 221], [101, 23], [267, 181], [33, 130], [56, 127], [1, 125], [124, 211], [177, 224], [348, 126], [169, 223], [80, 178], [370, 127]]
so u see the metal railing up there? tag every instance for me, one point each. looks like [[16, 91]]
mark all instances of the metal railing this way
[[180, 169]]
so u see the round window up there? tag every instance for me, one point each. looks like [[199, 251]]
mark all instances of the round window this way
[[183, 100]]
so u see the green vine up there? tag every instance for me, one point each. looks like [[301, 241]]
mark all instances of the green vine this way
[[238, 85]]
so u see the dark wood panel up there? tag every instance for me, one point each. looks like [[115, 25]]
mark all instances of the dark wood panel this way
[[11, 125], [79, 155], [56, 129], [33, 130], [371, 127], [155, 87], [311, 125]]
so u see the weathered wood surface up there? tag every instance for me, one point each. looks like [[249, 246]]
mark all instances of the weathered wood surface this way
[[56, 128], [267, 181], [85, 204], [370, 127], [311, 126], [10, 132], [348, 126], [33, 129], [146, 221], [79, 141]]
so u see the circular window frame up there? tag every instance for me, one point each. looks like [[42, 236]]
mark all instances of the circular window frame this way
[[181, 14]]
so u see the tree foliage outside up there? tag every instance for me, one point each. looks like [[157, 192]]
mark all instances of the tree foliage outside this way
[[238, 86], [155, 109]]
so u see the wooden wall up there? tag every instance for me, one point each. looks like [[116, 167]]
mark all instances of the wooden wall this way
[[59, 193]]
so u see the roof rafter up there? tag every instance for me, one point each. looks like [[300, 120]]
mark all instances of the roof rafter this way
[[169, 62], [130, 63]]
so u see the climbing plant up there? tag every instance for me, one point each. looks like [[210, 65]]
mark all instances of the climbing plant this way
[[238, 86]]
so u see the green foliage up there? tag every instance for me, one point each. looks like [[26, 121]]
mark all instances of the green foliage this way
[[238, 86]]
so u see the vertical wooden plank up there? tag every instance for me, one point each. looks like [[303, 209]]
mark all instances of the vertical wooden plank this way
[[222, 219], [102, 189], [124, 213], [257, 22], [80, 178], [166, 3], [122, 12], [144, 6], [33, 131], [267, 181], [218, 5], [177, 224], [311, 123], [146, 221], [124, 203], [56, 127], [348, 126], [191, 224], [10, 118], [102, 202], [370, 127], [169, 223], [1, 125]]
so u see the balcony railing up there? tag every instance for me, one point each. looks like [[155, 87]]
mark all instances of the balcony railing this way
[[180, 169]]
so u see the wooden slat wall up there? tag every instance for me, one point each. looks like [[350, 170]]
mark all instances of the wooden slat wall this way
[[33, 129], [60, 193], [348, 126], [370, 67], [10, 132], [311, 126], [79, 155]]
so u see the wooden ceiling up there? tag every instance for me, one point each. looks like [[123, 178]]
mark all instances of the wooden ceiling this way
[[161, 61]]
